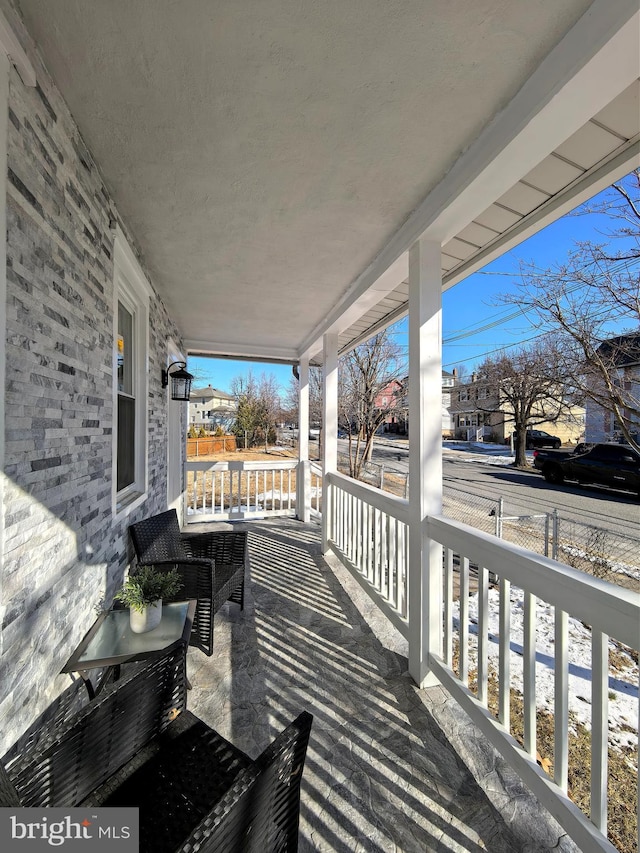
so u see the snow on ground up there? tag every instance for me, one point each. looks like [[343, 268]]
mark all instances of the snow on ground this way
[[489, 454], [623, 680], [269, 497]]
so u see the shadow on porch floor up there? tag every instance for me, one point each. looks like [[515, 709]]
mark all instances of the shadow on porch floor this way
[[380, 774]]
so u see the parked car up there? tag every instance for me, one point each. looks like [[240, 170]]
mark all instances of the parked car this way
[[540, 438], [614, 465]]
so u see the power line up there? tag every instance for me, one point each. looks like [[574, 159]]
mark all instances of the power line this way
[[461, 334]]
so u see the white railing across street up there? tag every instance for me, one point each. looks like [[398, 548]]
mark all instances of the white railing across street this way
[[498, 629], [219, 491]]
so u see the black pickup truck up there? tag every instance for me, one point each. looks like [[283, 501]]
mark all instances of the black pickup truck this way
[[613, 465]]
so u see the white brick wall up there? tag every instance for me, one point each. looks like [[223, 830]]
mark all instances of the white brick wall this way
[[63, 552]]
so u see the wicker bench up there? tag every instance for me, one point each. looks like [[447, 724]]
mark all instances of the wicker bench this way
[[212, 566], [137, 745]]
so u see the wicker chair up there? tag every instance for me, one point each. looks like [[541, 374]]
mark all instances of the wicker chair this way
[[136, 745], [212, 566]]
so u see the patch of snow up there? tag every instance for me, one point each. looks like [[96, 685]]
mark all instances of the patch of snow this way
[[623, 684]]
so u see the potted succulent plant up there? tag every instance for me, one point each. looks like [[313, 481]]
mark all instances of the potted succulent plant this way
[[143, 592]]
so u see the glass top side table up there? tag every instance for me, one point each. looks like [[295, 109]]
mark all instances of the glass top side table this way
[[111, 642]]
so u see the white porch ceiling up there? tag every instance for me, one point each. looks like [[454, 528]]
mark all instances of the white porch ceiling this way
[[602, 150], [271, 156]]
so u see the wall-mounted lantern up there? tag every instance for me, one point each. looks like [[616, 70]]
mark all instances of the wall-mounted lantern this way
[[180, 381]]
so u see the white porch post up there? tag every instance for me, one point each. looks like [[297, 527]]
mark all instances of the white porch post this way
[[303, 479], [329, 427], [425, 456]]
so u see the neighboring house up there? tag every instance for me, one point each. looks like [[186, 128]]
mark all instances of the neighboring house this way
[[393, 398], [449, 381], [479, 415], [210, 408], [448, 385], [601, 424]]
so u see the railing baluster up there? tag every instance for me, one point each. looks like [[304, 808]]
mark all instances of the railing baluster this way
[[448, 607], [384, 555], [561, 701], [529, 673], [599, 728], [377, 554], [393, 560], [464, 620], [358, 535], [504, 654], [366, 549], [344, 522], [483, 634]]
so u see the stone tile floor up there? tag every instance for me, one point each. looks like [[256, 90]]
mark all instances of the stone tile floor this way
[[382, 773]]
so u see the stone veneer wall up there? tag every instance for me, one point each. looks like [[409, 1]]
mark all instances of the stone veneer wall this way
[[63, 549]]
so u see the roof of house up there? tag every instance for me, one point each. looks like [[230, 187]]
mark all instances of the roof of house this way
[[624, 350], [209, 391]]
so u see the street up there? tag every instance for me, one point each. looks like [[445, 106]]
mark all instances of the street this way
[[524, 492]]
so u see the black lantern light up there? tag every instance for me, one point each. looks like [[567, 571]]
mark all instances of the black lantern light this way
[[180, 381]]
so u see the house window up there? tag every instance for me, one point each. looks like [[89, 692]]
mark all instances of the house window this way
[[125, 468], [131, 326], [463, 394]]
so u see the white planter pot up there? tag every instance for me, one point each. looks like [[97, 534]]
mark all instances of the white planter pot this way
[[145, 620]]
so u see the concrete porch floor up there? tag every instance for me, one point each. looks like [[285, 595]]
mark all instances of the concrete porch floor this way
[[384, 770]]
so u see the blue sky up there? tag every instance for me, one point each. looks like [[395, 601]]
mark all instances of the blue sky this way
[[466, 307]]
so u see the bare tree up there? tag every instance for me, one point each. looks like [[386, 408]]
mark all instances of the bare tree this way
[[529, 385], [258, 408], [315, 396], [269, 407], [591, 303], [368, 381]]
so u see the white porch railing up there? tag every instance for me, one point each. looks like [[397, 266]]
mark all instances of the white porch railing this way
[[315, 495], [225, 491], [367, 530]]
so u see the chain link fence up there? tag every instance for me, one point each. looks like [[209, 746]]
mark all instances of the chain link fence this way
[[596, 550]]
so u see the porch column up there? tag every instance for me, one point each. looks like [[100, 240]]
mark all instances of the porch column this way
[[425, 456], [303, 479], [329, 427]]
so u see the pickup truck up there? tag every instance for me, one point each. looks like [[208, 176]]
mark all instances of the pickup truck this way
[[614, 465]]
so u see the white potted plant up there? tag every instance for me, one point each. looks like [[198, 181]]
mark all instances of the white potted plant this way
[[143, 592]]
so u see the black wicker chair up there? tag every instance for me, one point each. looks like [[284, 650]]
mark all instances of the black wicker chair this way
[[212, 566], [136, 745]]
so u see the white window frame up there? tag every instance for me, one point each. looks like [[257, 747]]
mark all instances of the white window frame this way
[[132, 289]]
